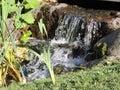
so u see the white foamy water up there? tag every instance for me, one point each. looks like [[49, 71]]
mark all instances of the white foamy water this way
[[58, 42], [64, 57]]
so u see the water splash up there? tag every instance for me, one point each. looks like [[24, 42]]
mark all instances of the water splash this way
[[64, 57], [35, 69], [74, 38]]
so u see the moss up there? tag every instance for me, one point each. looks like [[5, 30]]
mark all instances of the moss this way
[[104, 49], [58, 69], [100, 49]]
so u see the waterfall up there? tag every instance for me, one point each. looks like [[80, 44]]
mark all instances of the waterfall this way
[[69, 28], [74, 38]]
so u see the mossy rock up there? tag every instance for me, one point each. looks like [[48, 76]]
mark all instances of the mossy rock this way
[[58, 69], [100, 49], [109, 44]]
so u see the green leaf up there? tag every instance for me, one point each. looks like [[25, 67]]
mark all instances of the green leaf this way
[[42, 28], [32, 4], [12, 6], [25, 36], [11, 2], [19, 24], [28, 17], [23, 20]]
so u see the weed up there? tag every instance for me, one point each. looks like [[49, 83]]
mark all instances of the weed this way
[[8, 49], [46, 52]]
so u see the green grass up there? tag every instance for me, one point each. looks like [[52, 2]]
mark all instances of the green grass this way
[[104, 76]]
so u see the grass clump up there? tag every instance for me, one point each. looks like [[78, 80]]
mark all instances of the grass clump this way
[[46, 51], [104, 76]]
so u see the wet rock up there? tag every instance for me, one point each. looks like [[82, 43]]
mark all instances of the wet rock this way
[[52, 12], [34, 69], [114, 23], [113, 43], [92, 63], [48, 12], [90, 56], [58, 69], [100, 50]]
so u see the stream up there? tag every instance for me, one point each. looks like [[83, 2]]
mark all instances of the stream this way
[[72, 44]]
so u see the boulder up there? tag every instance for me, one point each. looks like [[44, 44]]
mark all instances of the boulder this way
[[112, 42], [51, 13]]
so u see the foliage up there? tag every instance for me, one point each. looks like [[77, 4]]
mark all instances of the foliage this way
[[25, 36], [42, 28], [15, 10], [46, 52], [12, 6], [7, 58], [104, 76], [31, 3], [9, 52], [23, 19], [46, 58]]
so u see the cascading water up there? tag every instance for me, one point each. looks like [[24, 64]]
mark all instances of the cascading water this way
[[73, 40], [67, 39], [69, 28]]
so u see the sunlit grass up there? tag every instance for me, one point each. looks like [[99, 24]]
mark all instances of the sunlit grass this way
[[104, 76]]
